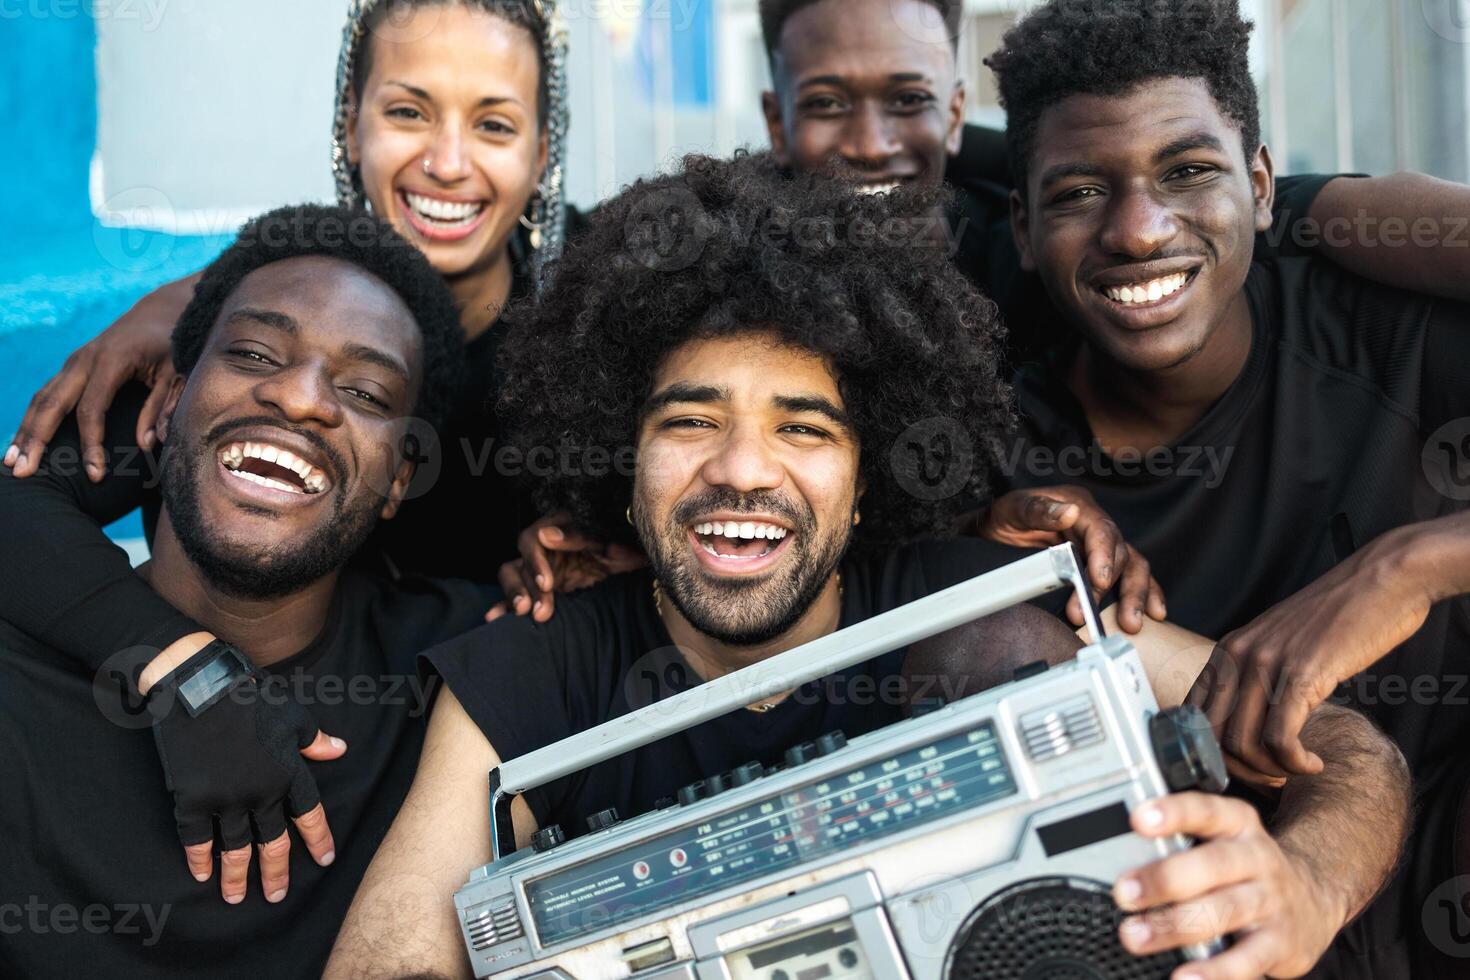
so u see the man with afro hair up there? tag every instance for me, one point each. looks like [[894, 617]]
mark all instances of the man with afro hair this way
[[728, 371], [1282, 438]]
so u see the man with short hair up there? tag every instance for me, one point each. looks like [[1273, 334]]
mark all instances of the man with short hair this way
[[1258, 428], [308, 343], [767, 383]]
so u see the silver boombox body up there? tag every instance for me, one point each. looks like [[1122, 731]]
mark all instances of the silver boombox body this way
[[979, 840]]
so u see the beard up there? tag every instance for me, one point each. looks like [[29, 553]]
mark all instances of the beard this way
[[742, 612], [254, 571]]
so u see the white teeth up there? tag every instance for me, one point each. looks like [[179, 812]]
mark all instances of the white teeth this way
[[452, 212], [1148, 292], [740, 530], [236, 453], [264, 481], [877, 188]]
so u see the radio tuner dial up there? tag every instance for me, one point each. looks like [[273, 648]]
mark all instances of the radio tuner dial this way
[[547, 837], [1186, 750], [602, 819]]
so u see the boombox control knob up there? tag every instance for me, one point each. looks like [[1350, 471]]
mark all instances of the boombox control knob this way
[[602, 819], [748, 773], [716, 784], [830, 742], [547, 837], [692, 793], [800, 754], [1186, 750]]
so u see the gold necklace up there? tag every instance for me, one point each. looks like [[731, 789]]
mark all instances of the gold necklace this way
[[762, 707]]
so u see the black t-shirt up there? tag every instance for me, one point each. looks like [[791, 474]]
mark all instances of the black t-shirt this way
[[92, 876], [606, 653], [1317, 448]]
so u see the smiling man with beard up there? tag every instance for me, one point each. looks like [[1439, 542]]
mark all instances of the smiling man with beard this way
[[769, 357], [308, 343]]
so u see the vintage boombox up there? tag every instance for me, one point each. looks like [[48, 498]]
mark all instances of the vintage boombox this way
[[977, 840]]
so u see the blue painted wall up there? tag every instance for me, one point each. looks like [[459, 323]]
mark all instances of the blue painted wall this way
[[63, 276]]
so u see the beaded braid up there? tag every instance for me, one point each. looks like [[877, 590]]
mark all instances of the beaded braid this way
[[545, 21]]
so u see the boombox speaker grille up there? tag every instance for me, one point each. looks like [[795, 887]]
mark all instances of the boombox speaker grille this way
[[1050, 929]]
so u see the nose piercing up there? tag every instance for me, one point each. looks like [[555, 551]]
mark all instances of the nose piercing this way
[[426, 165]]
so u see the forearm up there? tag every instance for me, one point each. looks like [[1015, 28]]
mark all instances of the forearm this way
[[402, 920], [63, 582], [1437, 554], [1407, 230], [1347, 849]]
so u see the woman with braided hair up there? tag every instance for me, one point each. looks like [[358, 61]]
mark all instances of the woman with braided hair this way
[[450, 124]]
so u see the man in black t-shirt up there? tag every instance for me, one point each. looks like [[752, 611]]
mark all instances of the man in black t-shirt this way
[[873, 91], [1272, 434], [297, 360], [762, 412]]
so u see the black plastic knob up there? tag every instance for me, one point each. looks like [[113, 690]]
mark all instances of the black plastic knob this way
[[1186, 750], [664, 802], [799, 754], [692, 793], [602, 819], [748, 773], [547, 837], [716, 784], [830, 742]]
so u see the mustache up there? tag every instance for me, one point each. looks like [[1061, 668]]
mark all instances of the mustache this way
[[771, 502], [334, 458]]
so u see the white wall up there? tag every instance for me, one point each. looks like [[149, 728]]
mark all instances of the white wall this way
[[216, 110]]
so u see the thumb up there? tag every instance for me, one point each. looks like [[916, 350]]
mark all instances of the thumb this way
[[1050, 514], [325, 748]]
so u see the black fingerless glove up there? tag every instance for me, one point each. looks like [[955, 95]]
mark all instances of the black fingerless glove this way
[[231, 749]]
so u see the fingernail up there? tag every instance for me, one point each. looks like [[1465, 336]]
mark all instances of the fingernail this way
[[1136, 931], [20, 460], [337, 743], [537, 607], [94, 471], [148, 438], [201, 876], [554, 533], [234, 899], [1190, 976], [328, 858], [276, 895], [542, 584], [11, 454], [1150, 816], [1129, 889]]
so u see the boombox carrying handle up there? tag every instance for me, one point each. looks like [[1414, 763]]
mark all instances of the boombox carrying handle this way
[[980, 596]]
